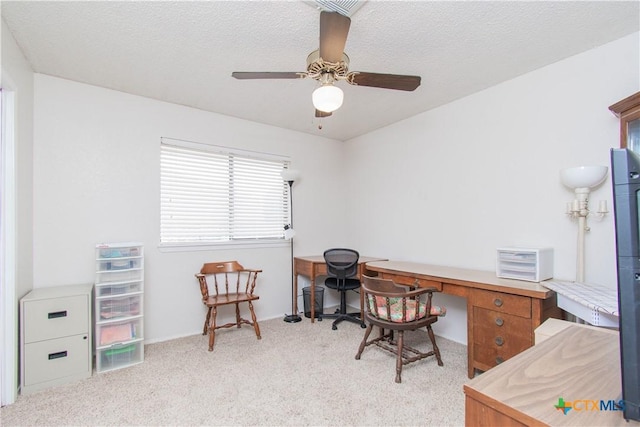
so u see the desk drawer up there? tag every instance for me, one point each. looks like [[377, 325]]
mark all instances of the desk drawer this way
[[501, 302], [305, 268], [495, 328], [487, 356], [412, 281], [499, 336]]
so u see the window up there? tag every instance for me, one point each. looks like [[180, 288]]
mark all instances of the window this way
[[210, 194]]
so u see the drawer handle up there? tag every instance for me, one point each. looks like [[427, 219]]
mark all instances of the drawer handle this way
[[499, 321], [497, 302], [57, 314], [499, 341], [499, 360], [57, 355]]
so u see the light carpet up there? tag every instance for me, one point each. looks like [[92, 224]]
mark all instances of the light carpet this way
[[297, 374]]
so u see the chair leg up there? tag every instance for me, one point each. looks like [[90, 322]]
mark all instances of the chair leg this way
[[399, 356], [237, 316], [206, 322], [255, 322], [436, 350], [364, 341], [212, 328]]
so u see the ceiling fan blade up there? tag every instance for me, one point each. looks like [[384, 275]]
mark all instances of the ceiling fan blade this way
[[387, 81], [321, 114], [266, 75], [334, 29]]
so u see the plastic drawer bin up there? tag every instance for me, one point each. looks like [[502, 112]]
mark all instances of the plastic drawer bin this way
[[118, 264], [119, 252], [319, 301], [119, 276], [118, 289], [119, 356], [530, 264], [109, 333], [116, 307]]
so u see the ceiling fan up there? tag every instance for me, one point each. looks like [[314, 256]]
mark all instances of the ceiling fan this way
[[330, 64]]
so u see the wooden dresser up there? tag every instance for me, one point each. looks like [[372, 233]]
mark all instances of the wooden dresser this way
[[502, 314]]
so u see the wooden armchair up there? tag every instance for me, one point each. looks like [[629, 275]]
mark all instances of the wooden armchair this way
[[398, 308], [232, 284]]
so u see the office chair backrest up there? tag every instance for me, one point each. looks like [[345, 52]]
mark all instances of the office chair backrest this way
[[341, 263]]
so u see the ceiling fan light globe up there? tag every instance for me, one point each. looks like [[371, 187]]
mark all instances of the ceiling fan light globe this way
[[327, 98]]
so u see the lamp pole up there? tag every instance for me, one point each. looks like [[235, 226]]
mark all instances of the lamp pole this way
[[582, 179], [293, 317]]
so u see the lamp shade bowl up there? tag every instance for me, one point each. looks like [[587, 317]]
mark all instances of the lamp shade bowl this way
[[583, 176], [290, 175]]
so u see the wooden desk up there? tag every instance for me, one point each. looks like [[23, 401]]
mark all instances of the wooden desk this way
[[313, 266], [502, 314], [576, 364]]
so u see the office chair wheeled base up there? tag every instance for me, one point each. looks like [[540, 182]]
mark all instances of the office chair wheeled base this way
[[292, 318], [340, 316]]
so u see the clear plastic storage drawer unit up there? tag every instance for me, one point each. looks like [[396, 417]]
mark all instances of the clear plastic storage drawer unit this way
[[530, 264], [119, 305]]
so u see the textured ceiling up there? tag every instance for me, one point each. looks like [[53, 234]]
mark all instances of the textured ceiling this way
[[184, 52]]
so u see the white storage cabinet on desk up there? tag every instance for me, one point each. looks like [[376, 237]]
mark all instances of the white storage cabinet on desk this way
[[55, 336], [119, 305], [532, 265]]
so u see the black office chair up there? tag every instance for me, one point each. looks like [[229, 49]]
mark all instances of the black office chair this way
[[342, 269]]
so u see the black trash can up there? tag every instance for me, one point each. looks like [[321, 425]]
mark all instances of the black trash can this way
[[319, 301]]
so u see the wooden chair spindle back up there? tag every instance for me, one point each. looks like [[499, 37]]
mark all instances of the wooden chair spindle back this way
[[223, 275], [392, 307], [229, 287], [377, 290]]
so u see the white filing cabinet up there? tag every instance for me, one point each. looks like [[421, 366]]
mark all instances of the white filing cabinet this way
[[119, 313], [55, 335]]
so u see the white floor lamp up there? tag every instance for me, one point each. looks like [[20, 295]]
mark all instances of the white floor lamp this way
[[290, 176]]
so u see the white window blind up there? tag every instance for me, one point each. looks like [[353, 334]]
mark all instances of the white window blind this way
[[212, 196]]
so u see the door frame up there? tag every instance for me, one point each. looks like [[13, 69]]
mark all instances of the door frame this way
[[8, 303]]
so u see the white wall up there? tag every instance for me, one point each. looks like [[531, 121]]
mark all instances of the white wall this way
[[96, 175], [451, 185]]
